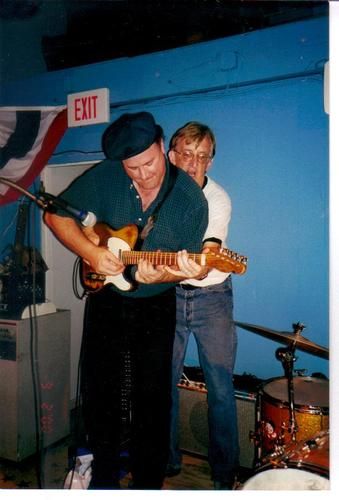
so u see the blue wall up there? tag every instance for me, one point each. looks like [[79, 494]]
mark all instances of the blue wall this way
[[262, 93]]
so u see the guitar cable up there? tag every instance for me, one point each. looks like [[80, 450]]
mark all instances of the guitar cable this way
[[77, 436], [34, 358], [76, 279]]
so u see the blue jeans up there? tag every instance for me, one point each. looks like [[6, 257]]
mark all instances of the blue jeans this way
[[207, 313]]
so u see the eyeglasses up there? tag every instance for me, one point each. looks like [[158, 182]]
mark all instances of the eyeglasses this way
[[188, 156]]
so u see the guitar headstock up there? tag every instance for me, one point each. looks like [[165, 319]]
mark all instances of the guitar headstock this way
[[227, 261]]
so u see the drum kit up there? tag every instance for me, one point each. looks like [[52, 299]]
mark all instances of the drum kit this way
[[292, 421]]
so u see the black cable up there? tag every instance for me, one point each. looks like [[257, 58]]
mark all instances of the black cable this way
[[34, 350], [78, 400], [75, 279], [126, 105]]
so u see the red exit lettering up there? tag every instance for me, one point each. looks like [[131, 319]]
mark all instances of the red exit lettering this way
[[85, 108]]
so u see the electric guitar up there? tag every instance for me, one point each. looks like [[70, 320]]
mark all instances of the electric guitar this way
[[23, 259], [121, 243]]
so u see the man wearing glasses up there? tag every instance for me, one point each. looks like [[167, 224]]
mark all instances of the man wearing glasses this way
[[205, 309]]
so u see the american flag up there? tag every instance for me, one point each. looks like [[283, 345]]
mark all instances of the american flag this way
[[28, 137]]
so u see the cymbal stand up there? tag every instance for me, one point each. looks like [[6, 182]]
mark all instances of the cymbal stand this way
[[286, 356]]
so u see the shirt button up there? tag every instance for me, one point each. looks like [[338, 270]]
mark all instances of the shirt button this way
[[139, 219]]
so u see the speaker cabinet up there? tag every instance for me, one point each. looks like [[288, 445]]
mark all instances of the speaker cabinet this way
[[17, 396], [193, 430]]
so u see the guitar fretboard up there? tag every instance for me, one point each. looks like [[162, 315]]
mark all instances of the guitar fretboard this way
[[157, 258]]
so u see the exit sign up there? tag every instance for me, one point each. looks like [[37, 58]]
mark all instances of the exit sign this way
[[88, 108]]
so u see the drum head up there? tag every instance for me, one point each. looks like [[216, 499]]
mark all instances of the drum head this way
[[308, 391], [286, 479]]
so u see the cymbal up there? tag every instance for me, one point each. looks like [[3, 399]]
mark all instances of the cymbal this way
[[288, 338]]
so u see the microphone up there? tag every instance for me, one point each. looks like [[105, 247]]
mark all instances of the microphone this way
[[53, 203]]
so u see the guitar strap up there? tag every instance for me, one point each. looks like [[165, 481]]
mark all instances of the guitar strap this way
[[173, 173]]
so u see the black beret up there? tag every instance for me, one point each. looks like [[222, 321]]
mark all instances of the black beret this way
[[129, 135]]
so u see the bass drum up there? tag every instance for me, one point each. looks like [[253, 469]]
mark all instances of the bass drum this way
[[311, 404], [301, 466]]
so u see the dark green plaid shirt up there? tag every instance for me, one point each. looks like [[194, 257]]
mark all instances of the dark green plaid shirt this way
[[180, 223]]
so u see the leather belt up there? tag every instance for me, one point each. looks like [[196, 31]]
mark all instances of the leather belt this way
[[187, 287]]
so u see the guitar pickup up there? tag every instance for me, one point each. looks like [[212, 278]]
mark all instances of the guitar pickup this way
[[95, 276]]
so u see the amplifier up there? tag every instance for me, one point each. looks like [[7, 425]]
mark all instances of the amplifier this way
[[20, 290], [18, 394], [193, 424]]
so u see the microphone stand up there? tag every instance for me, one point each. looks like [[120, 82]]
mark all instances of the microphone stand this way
[[286, 356], [50, 203], [41, 203]]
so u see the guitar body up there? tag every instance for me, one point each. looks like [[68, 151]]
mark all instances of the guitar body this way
[[116, 241], [121, 244]]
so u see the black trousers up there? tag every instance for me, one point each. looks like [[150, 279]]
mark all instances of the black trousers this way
[[145, 328]]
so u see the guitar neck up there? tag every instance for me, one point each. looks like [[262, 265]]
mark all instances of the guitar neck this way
[[20, 237], [21, 226], [158, 258]]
